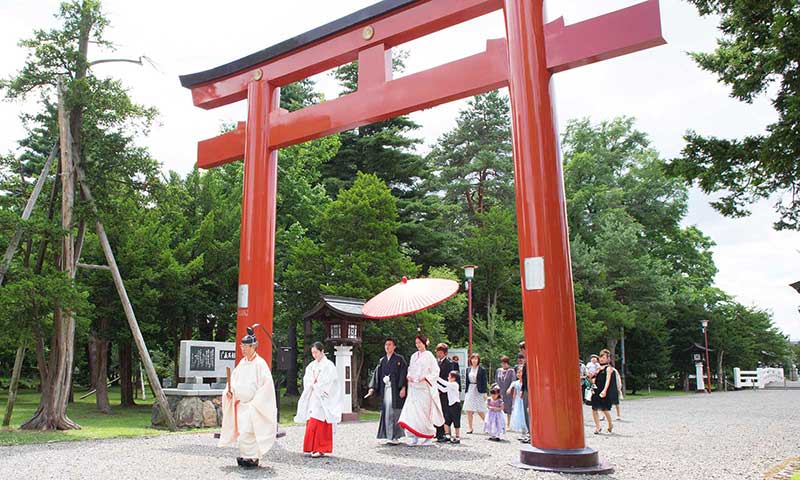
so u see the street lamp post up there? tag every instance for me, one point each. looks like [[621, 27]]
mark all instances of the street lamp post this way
[[469, 274], [708, 363]]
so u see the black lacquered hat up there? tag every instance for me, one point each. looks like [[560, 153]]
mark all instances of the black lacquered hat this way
[[250, 338]]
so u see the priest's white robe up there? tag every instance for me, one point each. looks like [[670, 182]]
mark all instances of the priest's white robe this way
[[250, 419]]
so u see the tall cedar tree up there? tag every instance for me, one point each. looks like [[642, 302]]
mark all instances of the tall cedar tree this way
[[759, 52]]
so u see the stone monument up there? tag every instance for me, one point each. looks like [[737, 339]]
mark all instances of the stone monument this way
[[195, 404]]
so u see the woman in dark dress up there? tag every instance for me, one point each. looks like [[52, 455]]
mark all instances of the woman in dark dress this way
[[503, 377], [605, 393]]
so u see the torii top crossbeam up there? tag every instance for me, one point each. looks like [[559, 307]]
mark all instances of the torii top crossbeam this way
[[392, 23], [524, 61]]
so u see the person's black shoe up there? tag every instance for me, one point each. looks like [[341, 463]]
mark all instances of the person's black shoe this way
[[240, 461], [442, 440], [250, 463]]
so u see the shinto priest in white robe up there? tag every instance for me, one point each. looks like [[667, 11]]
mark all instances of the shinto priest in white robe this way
[[250, 418]]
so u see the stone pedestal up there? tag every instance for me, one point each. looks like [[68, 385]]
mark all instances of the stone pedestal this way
[[344, 361], [191, 408]]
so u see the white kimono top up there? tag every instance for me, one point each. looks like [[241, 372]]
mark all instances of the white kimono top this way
[[322, 393]]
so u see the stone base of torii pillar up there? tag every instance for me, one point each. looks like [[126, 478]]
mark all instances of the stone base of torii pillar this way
[[344, 366]]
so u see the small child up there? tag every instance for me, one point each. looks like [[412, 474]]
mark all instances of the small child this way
[[518, 409], [495, 419], [452, 411]]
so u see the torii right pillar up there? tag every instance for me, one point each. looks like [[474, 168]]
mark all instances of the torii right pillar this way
[[557, 431]]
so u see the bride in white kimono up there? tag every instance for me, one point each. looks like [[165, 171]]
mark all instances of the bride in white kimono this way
[[422, 412], [320, 405]]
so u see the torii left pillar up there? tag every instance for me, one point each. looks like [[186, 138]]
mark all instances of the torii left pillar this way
[[259, 196]]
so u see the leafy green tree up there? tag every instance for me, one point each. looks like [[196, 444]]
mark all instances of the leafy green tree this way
[[612, 166], [359, 238], [103, 122], [619, 200], [471, 192], [637, 285], [385, 148], [472, 163], [357, 255], [301, 200], [495, 336], [758, 53], [492, 245], [451, 313]]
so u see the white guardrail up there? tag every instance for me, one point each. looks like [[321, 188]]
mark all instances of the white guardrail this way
[[758, 378]]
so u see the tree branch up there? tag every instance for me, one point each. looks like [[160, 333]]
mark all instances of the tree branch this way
[[112, 60]]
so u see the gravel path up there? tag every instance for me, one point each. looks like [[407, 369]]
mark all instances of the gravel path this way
[[721, 436]]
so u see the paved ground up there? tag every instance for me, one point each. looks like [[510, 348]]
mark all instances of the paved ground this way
[[722, 436]]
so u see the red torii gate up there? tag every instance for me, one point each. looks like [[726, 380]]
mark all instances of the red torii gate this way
[[525, 62]]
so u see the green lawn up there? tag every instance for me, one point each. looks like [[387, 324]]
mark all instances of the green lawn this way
[[796, 476], [123, 422]]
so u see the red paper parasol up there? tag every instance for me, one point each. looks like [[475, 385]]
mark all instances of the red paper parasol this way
[[409, 296]]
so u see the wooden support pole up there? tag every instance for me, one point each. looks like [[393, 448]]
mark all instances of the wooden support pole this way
[[141, 379], [108, 384], [26, 214], [12, 389], [89, 266], [79, 243], [126, 305]]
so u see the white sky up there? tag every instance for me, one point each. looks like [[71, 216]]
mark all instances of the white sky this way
[[661, 88]]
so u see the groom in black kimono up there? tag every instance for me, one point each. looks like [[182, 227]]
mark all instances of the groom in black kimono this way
[[389, 383], [445, 367]]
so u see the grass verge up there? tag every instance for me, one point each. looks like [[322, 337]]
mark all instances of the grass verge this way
[[122, 422]]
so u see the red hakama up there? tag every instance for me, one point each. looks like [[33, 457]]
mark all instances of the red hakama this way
[[319, 437]]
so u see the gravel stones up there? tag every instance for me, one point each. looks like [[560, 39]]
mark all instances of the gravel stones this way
[[734, 435]]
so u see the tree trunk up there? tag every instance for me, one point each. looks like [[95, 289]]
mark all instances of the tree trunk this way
[[52, 411], [307, 341], [12, 388], [101, 342], [28, 251], [41, 361], [127, 392], [292, 371], [176, 357], [720, 373], [91, 355], [205, 330], [611, 344]]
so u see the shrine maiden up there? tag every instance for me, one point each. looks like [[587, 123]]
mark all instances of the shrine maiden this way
[[249, 412], [422, 412], [320, 405]]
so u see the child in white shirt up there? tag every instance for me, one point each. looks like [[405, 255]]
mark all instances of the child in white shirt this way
[[452, 411]]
